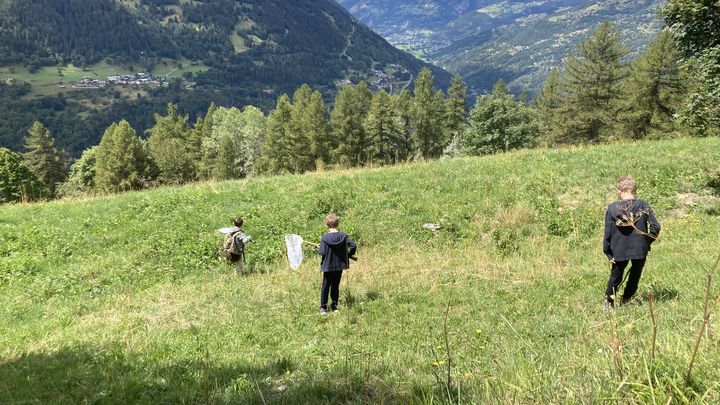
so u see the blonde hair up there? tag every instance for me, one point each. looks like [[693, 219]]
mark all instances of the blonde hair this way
[[332, 221], [626, 184]]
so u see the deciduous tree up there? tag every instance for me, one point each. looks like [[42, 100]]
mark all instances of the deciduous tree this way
[[498, 123]]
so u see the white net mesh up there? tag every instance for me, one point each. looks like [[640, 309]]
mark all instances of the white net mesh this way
[[294, 250]]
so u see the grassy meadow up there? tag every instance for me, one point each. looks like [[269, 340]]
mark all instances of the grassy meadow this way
[[122, 299]]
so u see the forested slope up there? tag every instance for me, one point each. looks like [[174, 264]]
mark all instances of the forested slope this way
[[249, 52]]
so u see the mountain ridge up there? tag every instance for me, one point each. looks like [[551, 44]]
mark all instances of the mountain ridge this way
[[516, 41]]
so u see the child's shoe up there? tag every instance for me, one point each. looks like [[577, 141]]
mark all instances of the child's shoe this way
[[323, 311]]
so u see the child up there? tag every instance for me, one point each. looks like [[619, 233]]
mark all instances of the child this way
[[239, 239], [630, 229], [336, 248]]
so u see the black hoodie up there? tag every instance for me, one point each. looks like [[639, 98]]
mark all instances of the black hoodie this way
[[630, 228], [334, 251]]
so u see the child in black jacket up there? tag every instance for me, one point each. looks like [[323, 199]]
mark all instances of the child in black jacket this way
[[336, 248], [630, 229]]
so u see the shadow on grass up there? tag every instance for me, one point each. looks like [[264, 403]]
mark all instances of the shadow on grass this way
[[661, 293], [111, 375]]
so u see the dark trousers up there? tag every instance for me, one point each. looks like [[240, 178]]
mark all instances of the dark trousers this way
[[331, 285], [616, 276]]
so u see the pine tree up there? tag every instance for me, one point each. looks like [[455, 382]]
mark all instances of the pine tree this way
[[276, 147], [350, 143], [42, 158], [318, 128], [427, 118], [382, 129], [171, 148], [549, 102], [498, 123], [654, 89], [593, 78], [17, 182], [121, 160], [308, 128], [199, 137], [456, 111], [226, 162], [402, 105]]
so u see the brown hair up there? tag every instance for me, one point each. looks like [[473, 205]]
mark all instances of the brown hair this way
[[626, 184], [238, 222], [332, 221]]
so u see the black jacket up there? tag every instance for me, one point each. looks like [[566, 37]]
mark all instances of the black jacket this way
[[630, 229], [336, 249]]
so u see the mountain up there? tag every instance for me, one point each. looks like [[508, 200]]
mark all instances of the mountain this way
[[185, 52], [517, 41]]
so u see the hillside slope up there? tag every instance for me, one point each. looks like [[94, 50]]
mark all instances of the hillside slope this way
[[517, 41], [122, 298], [228, 51]]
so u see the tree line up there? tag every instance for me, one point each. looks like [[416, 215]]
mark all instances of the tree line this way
[[595, 97]]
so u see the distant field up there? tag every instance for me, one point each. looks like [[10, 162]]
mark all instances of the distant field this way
[[122, 299], [54, 80]]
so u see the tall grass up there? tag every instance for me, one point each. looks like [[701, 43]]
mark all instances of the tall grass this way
[[123, 299]]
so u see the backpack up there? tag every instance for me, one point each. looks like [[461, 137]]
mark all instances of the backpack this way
[[229, 246]]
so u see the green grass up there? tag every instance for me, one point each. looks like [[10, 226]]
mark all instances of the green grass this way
[[122, 299]]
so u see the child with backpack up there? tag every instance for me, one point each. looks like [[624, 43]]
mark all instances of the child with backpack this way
[[336, 248], [233, 247], [630, 229]]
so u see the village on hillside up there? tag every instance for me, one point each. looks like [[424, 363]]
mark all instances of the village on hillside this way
[[394, 75], [138, 79]]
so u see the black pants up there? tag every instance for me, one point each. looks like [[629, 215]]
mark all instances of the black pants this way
[[331, 284], [616, 275]]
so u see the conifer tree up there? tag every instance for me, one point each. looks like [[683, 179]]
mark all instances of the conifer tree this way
[[350, 143], [653, 90], [170, 147], [549, 102], [382, 129], [42, 158], [592, 84], [17, 182], [276, 147], [225, 164], [318, 128], [308, 128], [456, 110], [428, 111], [121, 160], [199, 136], [402, 106], [498, 123]]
